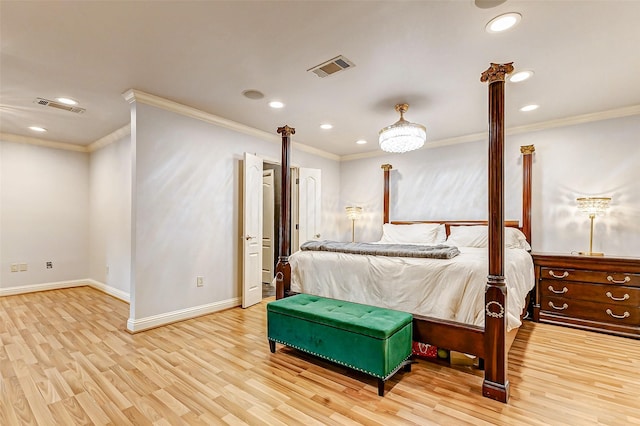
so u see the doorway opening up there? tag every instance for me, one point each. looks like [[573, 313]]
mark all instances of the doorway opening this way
[[272, 195], [271, 184]]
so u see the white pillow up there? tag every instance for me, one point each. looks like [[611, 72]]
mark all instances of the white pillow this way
[[415, 233], [477, 236], [441, 237]]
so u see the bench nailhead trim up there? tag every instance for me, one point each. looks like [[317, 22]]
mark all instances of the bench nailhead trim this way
[[344, 363]]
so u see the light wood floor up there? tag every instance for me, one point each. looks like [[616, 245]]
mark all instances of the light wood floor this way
[[66, 359]]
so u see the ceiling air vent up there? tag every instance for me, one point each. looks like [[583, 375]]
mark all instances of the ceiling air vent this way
[[54, 104], [332, 66]]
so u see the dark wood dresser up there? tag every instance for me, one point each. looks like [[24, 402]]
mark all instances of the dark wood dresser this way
[[597, 293]]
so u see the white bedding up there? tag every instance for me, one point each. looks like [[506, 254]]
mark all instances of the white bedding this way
[[451, 289]]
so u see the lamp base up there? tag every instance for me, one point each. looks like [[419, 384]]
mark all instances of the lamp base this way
[[590, 253]]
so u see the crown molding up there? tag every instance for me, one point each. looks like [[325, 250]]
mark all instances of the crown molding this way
[[8, 137], [133, 95], [576, 119], [110, 138], [314, 151], [543, 125]]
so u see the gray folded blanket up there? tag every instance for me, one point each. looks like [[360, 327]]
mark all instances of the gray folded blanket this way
[[439, 251]]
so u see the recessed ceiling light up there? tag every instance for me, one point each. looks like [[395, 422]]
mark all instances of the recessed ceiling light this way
[[527, 108], [521, 76], [67, 101], [503, 22], [37, 129], [326, 126], [253, 94], [276, 104], [361, 142]]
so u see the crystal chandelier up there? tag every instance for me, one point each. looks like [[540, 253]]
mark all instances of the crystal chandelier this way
[[402, 136]]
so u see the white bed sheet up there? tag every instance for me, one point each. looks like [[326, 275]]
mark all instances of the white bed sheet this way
[[451, 289]]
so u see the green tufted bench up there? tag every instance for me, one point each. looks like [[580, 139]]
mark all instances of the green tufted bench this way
[[373, 340]]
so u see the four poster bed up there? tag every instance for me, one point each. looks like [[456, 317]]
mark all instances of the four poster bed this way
[[477, 331]]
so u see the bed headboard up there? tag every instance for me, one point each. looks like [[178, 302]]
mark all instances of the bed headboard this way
[[449, 223], [527, 164]]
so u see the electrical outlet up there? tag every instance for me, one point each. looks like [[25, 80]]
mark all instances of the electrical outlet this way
[[199, 281], [14, 267], [49, 265], [107, 269], [23, 267]]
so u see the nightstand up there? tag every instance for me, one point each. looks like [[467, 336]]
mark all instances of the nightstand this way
[[597, 293]]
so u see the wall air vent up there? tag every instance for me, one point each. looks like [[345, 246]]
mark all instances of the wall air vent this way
[[54, 104], [332, 66]]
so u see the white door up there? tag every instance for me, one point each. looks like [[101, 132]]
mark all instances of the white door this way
[[309, 197], [268, 193], [295, 217], [252, 231]]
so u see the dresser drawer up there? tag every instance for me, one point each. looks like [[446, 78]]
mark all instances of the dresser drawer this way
[[562, 274], [604, 312], [601, 293]]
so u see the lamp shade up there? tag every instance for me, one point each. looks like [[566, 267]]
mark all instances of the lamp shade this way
[[353, 212], [402, 136], [593, 205]]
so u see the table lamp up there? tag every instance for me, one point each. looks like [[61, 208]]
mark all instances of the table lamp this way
[[593, 206]]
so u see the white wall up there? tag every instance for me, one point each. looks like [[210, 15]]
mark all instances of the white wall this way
[[187, 197], [44, 214], [593, 159], [110, 215], [450, 182]]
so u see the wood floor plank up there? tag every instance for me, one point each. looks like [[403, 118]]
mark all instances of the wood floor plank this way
[[9, 408], [73, 407], [36, 402], [62, 416], [66, 359]]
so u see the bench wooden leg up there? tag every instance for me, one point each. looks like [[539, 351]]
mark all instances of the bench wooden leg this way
[[380, 387], [272, 346]]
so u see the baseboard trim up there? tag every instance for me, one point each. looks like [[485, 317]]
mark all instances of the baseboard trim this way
[[59, 285], [142, 324], [12, 291], [111, 291]]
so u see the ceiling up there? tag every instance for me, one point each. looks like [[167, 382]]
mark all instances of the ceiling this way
[[204, 54]]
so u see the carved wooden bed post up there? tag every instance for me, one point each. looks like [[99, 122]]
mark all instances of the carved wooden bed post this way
[[527, 159], [496, 384], [385, 206], [283, 268]]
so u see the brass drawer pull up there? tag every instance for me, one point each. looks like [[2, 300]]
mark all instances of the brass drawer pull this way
[[623, 316], [553, 290], [559, 308], [565, 274], [611, 280], [617, 299]]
